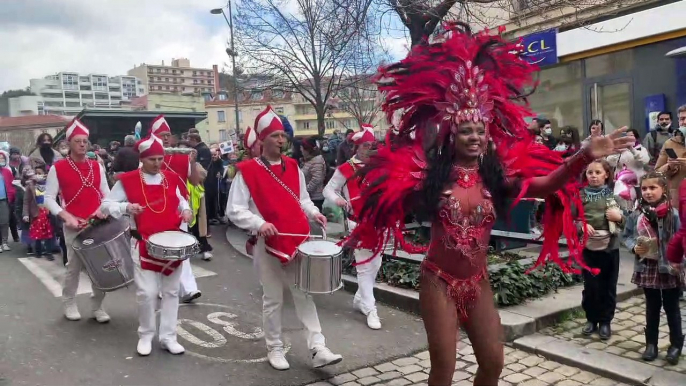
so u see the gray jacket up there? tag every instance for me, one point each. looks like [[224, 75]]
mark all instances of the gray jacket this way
[[630, 234]]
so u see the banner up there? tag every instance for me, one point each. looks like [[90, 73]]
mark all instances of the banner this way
[[541, 48], [226, 147]]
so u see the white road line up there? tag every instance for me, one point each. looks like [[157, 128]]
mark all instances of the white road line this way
[[199, 272], [52, 284]]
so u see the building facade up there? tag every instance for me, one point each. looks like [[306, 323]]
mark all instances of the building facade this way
[[607, 61], [22, 132], [67, 93], [179, 77]]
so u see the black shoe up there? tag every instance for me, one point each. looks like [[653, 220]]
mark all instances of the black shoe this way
[[605, 331], [589, 328], [673, 354], [650, 353]]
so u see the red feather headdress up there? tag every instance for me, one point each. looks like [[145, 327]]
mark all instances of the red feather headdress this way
[[453, 78]]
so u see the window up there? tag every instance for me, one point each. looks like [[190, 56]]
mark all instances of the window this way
[[99, 83], [222, 97], [331, 124], [173, 71], [166, 87], [166, 71], [70, 82], [256, 96], [222, 135], [306, 125], [195, 81], [159, 70], [277, 94], [221, 116], [195, 73], [612, 63], [150, 70], [559, 96], [279, 110], [202, 81], [166, 79]]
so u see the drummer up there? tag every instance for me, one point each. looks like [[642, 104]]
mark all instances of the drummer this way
[[82, 184], [153, 197], [181, 166], [344, 190], [268, 196]]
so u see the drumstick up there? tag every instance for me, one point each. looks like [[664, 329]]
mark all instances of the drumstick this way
[[297, 235]]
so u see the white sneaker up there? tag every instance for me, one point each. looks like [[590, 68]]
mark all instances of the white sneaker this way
[[71, 311], [373, 321], [6, 247], [277, 359], [322, 356], [207, 256], [144, 347], [173, 347], [101, 316], [191, 296]]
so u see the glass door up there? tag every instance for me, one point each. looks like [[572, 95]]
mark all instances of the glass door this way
[[611, 102]]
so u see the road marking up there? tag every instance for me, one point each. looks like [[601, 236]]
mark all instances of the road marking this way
[[51, 274]]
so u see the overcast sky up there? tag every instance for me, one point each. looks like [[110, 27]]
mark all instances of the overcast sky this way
[[43, 37]]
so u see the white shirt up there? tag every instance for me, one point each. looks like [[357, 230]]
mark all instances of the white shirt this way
[[241, 209], [337, 188], [52, 189], [116, 201], [634, 159]]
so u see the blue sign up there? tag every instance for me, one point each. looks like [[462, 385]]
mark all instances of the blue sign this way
[[541, 48]]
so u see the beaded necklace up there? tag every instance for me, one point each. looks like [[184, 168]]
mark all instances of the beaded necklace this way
[[165, 186], [466, 177], [86, 182]]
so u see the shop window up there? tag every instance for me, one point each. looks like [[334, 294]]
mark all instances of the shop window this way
[[612, 63], [559, 96]]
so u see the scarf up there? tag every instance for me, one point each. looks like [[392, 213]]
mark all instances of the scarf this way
[[594, 194]]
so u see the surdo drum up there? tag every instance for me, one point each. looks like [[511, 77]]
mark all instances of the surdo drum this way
[[319, 265], [105, 250], [172, 245]]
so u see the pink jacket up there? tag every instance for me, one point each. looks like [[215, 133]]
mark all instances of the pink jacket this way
[[9, 188], [677, 245]]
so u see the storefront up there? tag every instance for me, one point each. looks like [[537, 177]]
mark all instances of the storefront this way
[[614, 70]]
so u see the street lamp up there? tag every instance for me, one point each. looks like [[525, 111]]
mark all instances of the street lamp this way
[[232, 53]]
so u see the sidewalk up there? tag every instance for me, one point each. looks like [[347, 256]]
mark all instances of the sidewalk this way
[[517, 321], [521, 369], [618, 357]]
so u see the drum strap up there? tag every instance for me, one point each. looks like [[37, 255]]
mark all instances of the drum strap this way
[[283, 185]]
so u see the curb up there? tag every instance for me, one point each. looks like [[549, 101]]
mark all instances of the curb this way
[[598, 362]]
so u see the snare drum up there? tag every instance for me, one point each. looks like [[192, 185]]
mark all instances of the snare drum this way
[[172, 245], [319, 265], [105, 250]]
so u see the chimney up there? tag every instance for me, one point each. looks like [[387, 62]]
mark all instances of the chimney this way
[[216, 78], [163, 62]]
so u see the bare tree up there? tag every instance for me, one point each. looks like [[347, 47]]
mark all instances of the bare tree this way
[[311, 47], [360, 99]]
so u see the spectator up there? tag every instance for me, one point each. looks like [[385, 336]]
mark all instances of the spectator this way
[[657, 137], [63, 148], [126, 159], [7, 193], [204, 155], [546, 130], [19, 208], [535, 130], [569, 141], [314, 170], [37, 215], [44, 152], [345, 149], [197, 201], [630, 166], [17, 162], [212, 182], [674, 168]]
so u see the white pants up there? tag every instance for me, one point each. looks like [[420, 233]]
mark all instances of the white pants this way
[[366, 277], [148, 285], [274, 276], [74, 267], [188, 283]]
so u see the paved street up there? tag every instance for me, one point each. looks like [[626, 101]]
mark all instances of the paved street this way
[[627, 339], [221, 333], [521, 369]]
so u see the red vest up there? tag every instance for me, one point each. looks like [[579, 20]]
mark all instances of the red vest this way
[[276, 205], [79, 198], [178, 165], [348, 171], [148, 222]]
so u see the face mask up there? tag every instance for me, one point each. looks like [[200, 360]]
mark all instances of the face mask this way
[[46, 145], [665, 124], [39, 178], [547, 131], [3, 164], [64, 152]]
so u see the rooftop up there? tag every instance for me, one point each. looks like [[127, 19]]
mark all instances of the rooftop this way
[[33, 121]]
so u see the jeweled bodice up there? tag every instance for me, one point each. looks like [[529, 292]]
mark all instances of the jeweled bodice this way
[[462, 230]]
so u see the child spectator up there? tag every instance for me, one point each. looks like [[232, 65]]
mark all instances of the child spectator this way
[[36, 213], [647, 234]]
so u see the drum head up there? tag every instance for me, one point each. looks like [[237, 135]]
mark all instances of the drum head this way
[[172, 239], [319, 248], [105, 231]]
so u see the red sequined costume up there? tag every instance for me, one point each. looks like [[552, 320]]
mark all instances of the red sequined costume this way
[[450, 81]]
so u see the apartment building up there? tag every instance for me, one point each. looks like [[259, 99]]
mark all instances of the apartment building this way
[[179, 77], [67, 93], [604, 59]]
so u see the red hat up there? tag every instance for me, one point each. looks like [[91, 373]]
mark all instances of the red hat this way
[[159, 126], [76, 128], [267, 122], [149, 147], [249, 138], [366, 134]]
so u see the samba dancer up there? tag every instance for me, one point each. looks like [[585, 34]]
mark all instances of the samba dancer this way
[[344, 190], [153, 198], [82, 184], [268, 196], [467, 90], [181, 166]]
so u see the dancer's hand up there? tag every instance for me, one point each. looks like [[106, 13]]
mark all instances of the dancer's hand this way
[[604, 145], [320, 219], [613, 214], [267, 230], [134, 209]]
